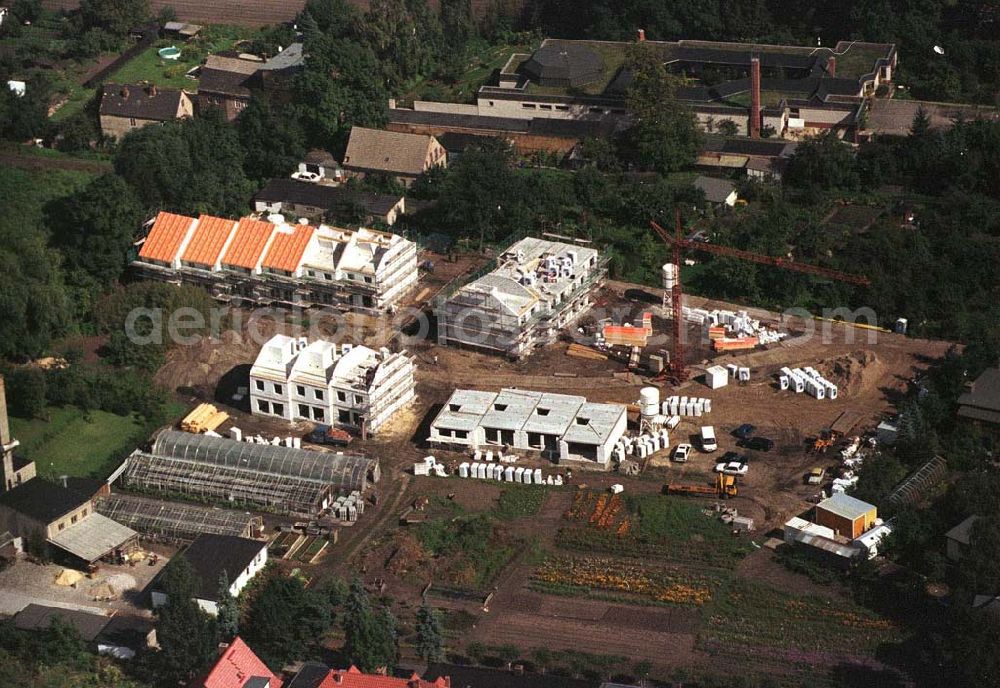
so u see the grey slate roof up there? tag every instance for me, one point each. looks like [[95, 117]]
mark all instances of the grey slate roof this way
[[716, 190], [983, 402], [564, 62], [38, 617], [288, 190], [43, 500], [963, 531], [140, 102], [210, 555]]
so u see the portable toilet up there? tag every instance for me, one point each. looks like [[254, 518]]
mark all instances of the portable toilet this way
[[527, 476], [783, 382], [508, 474], [482, 471], [744, 374], [519, 475], [538, 477], [463, 469], [474, 470]]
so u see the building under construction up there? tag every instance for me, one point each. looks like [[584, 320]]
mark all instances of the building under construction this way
[[538, 288], [219, 470], [176, 522]]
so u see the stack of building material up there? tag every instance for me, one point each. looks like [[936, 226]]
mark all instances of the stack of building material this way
[[203, 417], [807, 380], [429, 466], [580, 351], [492, 471], [732, 330], [686, 406], [642, 446]]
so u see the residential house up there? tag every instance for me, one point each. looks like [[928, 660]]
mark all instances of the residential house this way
[[846, 516], [957, 539], [348, 384], [278, 263], [298, 199], [128, 107], [402, 156], [65, 519], [240, 559], [980, 404], [538, 288], [224, 83], [557, 426], [314, 675], [239, 667], [717, 191]]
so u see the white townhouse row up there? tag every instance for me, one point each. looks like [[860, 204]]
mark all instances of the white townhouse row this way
[[347, 385]]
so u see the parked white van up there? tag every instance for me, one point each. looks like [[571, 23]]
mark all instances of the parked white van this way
[[708, 442]]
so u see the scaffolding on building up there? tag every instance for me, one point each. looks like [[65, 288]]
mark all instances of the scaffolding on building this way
[[176, 522]]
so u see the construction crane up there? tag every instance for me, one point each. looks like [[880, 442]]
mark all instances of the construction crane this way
[[677, 371]]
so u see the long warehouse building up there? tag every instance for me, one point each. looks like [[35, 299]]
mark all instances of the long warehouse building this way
[[216, 469]]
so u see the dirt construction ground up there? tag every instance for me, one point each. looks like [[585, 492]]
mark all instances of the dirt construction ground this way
[[873, 369]]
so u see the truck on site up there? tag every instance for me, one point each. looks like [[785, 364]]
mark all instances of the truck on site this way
[[708, 442], [725, 487], [327, 434]]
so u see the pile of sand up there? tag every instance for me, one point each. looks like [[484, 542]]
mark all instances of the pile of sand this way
[[68, 578], [859, 371]]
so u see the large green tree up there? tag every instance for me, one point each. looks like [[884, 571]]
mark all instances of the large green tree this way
[[370, 635], [192, 165], [285, 621], [228, 618], [664, 136], [186, 634], [273, 141], [116, 16], [430, 643]]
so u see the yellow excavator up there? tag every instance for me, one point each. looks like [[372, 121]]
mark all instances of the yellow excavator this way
[[725, 487]]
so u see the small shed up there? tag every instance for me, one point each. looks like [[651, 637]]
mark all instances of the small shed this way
[[716, 376], [845, 515], [717, 191]]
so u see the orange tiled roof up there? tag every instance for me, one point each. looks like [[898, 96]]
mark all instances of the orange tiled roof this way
[[237, 665], [165, 237], [287, 249], [208, 239], [352, 678], [249, 242]]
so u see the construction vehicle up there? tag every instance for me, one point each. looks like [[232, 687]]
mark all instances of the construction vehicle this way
[[327, 434], [826, 439], [815, 476], [676, 372], [725, 487]]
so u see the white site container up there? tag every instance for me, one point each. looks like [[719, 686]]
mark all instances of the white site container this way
[[489, 455], [617, 488], [420, 468], [482, 471], [716, 376], [519, 475], [708, 405], [642, 451], [477, 455], [744, 374], [463, 470], [783, 382], [831, 391], [474, 470], [526, 476], [538, 477], [508, 474], [236, 434]]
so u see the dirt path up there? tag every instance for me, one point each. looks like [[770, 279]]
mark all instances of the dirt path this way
[[32, 162]]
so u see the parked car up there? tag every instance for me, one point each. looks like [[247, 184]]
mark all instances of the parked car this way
[[733, 468], [757, 444], [681, 452], [815, 476], [708, 442], [732, 456], [744, 431], [306, 176]]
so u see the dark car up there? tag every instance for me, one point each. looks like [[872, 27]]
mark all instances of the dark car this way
[[757, 444], [731, 456], [744, 431]]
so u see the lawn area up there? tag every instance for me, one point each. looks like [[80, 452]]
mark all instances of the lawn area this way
[[658, 527], [148, 66], [25, 192], [519, 502], [70, 442]]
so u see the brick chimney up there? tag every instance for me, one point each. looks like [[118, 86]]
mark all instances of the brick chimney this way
[[152, 90], [755, 97], [124, 92], [831, 65], [641, 35]]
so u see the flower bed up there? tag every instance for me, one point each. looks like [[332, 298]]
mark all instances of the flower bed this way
[[569, 575]]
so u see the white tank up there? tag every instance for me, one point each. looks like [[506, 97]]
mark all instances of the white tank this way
[[669, 276], [649, 401]]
